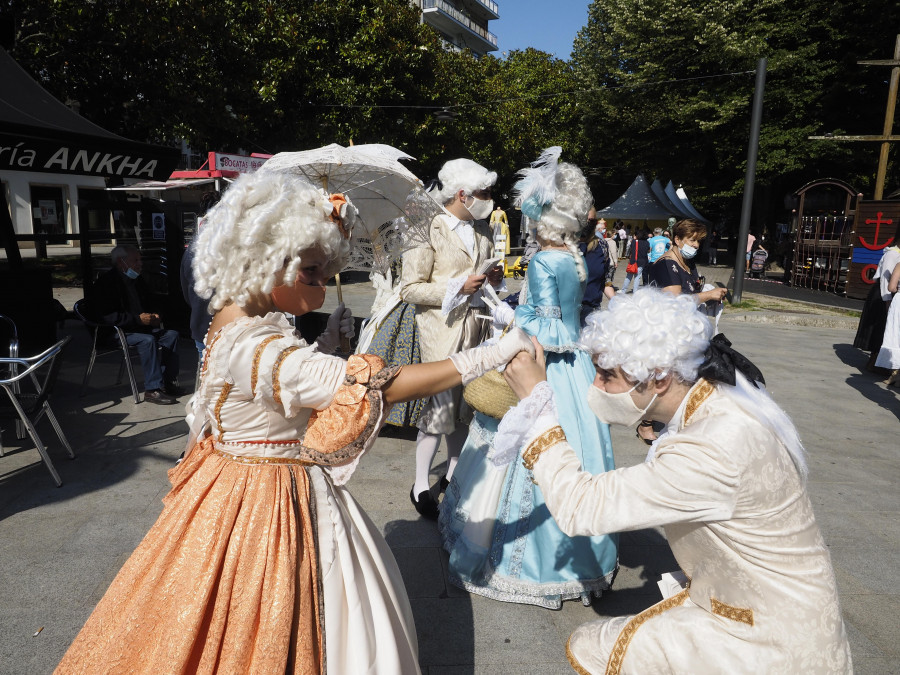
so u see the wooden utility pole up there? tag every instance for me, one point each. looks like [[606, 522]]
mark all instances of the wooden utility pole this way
[[885, 138]]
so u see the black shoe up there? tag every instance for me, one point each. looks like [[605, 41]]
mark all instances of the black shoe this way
[[443, 484], [173, 388], [425, 504], [159, 397]]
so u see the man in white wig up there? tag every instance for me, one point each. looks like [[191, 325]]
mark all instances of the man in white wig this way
[[727, 481], [443, 281]]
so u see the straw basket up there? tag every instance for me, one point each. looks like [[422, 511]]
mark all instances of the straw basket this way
[[490, 394]]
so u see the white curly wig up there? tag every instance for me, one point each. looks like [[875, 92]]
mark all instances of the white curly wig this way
[[651, 334], [461, 174], [556, 195], [263, 224]]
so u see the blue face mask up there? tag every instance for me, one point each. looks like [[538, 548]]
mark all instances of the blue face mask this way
[[131, 274], [688, 251]]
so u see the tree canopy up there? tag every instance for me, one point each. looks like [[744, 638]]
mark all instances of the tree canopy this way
[[653, 86], [674, 91]]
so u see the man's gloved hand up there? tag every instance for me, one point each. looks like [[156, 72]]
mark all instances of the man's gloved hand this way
[[475, 362], [340, 323]]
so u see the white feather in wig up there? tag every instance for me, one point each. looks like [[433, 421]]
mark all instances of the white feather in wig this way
[[556, 195], [537, 187]]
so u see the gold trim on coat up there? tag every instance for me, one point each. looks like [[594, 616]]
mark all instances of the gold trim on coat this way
[[553, 436], [621, 646], [697, 397], [731, 612]]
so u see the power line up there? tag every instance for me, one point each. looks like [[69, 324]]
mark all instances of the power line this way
[[533, 96]]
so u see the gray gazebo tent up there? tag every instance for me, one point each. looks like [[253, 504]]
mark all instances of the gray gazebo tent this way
[[677, 208], [679, 197], [637, 203]]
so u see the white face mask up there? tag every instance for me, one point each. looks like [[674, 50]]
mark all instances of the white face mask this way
[[480, 208], [616, 408], [688, 251]]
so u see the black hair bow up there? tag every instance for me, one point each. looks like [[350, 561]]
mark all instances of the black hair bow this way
[[434, 184], [721, 361]]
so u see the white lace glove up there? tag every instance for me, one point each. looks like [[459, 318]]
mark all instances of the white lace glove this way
[[340, 323], [475, 362]]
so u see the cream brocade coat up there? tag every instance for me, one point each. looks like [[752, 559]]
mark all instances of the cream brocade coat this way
[[423, 283], [762, 595]]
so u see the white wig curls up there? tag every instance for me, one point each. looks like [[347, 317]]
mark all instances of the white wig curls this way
[[556, 195], [461, 174], [651, 333], [263, 224]]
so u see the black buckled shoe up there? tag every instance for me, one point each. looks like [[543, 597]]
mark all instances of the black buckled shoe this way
[[426, 504], [443, 484], [159, 397]]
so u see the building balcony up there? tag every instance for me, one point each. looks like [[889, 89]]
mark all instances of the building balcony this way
[[457, 27], [483, 9]]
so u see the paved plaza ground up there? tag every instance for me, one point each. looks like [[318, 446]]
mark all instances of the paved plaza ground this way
[[61, 547]]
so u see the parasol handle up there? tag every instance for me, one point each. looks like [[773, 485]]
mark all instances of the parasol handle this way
[[346, 347]]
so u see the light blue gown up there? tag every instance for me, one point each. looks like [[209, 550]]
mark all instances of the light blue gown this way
[[503, 542]]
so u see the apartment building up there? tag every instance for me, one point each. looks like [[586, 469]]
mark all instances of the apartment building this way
[[462, 24]]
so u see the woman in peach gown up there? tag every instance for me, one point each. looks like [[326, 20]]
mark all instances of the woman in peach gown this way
[[261, 561]]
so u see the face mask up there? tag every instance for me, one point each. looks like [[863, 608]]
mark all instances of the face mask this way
[[299, 298], [616, 408], [688, 251], [480, 208], [131, 274]]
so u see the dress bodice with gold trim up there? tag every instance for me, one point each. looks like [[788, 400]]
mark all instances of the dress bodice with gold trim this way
[[266, 393]]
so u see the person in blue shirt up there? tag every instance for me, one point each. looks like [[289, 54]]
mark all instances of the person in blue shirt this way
[[659, 244]]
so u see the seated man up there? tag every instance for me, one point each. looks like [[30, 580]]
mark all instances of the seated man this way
[[727, 481], [122, 298]]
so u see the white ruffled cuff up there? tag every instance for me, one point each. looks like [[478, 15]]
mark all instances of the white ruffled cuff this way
[[453, 298], [522, 424]]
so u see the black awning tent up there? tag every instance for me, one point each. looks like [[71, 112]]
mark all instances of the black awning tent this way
[[679, 197], [38, 133], [637, 203], [678, 210]]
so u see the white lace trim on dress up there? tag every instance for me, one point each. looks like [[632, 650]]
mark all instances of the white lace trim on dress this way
[[530, 418]]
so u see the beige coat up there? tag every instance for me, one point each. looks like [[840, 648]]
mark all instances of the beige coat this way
[[423, 283], [762, 597]]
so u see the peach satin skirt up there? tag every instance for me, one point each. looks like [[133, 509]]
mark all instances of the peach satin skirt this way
[[252, 568]]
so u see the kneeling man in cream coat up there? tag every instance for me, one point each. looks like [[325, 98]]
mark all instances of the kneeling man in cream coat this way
[[726, 480]]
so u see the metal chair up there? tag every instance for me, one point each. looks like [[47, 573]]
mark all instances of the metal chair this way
[[29, 407], [13, 333], [121, 346]]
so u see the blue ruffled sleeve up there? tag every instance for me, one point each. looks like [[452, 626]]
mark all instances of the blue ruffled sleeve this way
[[542, 315]]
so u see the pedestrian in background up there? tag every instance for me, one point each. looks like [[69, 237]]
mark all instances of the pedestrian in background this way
[[637, 260], [712, 247], [871, 329]]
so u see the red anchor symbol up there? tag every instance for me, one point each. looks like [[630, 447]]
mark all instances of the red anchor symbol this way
[[878, 222]]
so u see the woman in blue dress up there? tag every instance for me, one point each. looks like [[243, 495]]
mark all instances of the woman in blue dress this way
[[503, 542]]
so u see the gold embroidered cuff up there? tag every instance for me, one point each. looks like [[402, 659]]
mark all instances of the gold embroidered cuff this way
[[545, 441]]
